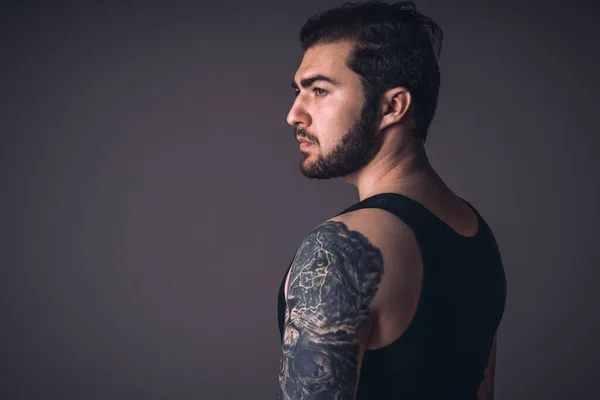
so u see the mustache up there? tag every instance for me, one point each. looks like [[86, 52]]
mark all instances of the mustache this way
[[303, 133]]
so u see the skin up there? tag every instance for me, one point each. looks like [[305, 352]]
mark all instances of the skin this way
[[369, 146], [348, 146]]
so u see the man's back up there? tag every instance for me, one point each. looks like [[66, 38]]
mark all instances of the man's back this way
[[439, 301]]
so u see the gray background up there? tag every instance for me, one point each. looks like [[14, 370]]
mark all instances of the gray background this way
[[151, 198]]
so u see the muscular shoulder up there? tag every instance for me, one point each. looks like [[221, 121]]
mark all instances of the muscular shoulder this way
[[338, 258], [384, 231], [375, 246]]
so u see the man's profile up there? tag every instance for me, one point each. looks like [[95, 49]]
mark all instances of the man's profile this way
[[401, 294]]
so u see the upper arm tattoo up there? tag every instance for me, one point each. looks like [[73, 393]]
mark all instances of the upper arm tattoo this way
[[333, 279]]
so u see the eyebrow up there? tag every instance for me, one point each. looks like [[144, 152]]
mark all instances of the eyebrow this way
[[307, 82]]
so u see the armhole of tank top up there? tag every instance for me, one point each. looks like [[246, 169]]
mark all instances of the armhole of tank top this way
[[287, 271]]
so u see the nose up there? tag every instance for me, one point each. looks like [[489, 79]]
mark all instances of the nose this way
[[298, 114]]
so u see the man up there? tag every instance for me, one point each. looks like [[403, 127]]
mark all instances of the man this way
[[401, 294]]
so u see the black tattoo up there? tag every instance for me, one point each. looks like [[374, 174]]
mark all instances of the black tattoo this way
[[333, 279]]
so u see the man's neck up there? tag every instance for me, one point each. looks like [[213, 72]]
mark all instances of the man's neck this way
[[403, 169]]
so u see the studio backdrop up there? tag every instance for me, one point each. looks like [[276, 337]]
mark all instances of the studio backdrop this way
[[151, 197]]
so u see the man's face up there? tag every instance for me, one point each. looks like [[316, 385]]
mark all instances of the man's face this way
[[331, 113]]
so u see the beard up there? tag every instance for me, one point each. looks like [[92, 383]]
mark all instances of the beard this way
[[355, 150]]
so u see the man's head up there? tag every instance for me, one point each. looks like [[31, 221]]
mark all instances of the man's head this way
[[366, 67]]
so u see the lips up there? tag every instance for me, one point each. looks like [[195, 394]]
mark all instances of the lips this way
[[302, 140]]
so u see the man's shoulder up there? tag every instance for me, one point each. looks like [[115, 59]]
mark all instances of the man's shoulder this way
[[383, 229], [376, 230], [375, 237]]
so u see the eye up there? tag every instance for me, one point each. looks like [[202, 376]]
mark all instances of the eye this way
[[319, 91], [296, 92]]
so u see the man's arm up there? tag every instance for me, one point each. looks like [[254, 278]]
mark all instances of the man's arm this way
[[332, 282]]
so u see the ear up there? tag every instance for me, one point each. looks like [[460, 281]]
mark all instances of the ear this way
[[395, 103]]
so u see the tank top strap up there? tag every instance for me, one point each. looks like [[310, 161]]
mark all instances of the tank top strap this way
[[422, 222]]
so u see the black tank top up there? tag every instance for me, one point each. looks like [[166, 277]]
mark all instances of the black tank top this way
[[444, 351]]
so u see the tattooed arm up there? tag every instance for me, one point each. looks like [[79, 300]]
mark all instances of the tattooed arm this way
[[333, 279]]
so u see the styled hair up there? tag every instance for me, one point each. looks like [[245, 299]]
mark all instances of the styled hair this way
[[394, 45]]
